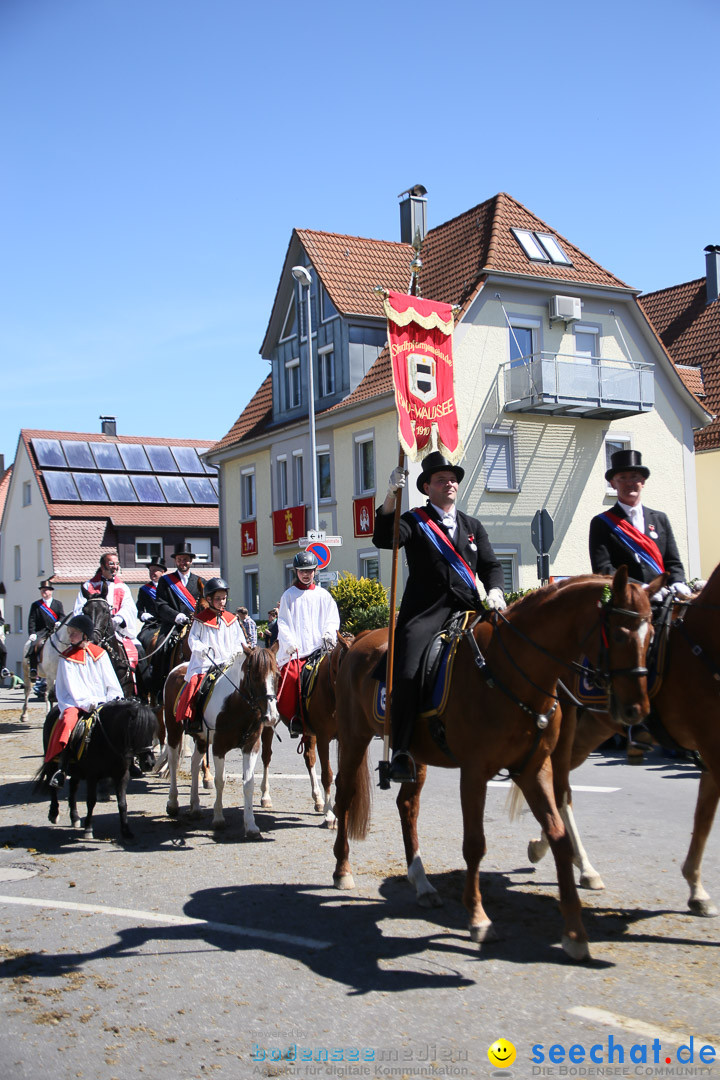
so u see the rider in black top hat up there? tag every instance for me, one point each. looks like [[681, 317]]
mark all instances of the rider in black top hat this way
[[43, 617]]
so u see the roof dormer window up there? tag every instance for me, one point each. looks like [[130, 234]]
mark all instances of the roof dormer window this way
[[541, 247]]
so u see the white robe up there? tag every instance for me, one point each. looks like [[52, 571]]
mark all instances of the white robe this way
[[225, 639], [117, 594], [84, 685], [305, 616]]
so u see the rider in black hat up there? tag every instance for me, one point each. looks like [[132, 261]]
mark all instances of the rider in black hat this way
[[446, 552], [43, 617]]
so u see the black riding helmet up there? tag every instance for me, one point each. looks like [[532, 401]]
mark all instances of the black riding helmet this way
[[214, 585], [83, 623], [305, 560]]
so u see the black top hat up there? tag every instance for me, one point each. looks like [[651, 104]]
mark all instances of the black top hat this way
[[625, 461], [183, 549], [158, 562], [46, 585], [433, 463]]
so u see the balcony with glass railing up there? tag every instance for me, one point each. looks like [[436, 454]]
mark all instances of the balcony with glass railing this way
[[563, 384]]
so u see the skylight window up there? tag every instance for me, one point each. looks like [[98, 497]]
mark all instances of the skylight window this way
[[541, 247]]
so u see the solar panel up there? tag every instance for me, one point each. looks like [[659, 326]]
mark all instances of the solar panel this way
[[202, 490], [106, 455], [174, 489], [187, 459], [49, 453], [119, 488], [61, 487], [78, 455], [134, 457], [90, 486], [148, 489], [161, 459]]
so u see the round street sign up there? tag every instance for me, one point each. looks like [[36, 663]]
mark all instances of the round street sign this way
[[321, 553]]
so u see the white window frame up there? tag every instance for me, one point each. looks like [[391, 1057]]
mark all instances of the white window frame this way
[[250, 594], [624, 442], [589, 330], [18, 626], [323, 451], [204, 558], [491, 440], [363, 557], [281, 473], [523, 322], [17, 561], [360, 442], [292, 382], [326, 371], [27, 493], [298, 477], [510, 553], [248, 500], [155, 542]]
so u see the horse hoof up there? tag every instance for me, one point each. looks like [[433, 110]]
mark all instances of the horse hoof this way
[[344, 881], [172, 811], [53, 817], [266, 803], [88, 834], [430, 899], [253, 834], [591, 881], [218, 826], [194, 813], [536, 850], [319, 806], [576, 950], [127, 835], [483, 932], [207, 783], [706, 908], [329, 823], [76, 823]]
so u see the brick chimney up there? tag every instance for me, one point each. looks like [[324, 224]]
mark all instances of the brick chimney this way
[[712, 271]]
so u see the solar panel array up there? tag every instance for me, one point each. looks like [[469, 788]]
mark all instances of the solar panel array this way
[[98, 472]]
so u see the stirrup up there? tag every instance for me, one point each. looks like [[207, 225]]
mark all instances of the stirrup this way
[[401, 769], [58, 779]]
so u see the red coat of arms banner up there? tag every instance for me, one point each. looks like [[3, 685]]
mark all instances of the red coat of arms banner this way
[[364, 515], [288, 525], [248, 537], [420, 338]]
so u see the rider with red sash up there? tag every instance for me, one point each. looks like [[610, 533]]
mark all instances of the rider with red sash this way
[[446, 551], [215, 639], [43, 617], [107, 582], [85, 679]]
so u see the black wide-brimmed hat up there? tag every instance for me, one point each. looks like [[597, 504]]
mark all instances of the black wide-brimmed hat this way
[[625, 461], [433, 463], [159, 562], [46, 585], [183, 549]]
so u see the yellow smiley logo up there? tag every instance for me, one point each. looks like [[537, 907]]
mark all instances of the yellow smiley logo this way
[[502, 1053]]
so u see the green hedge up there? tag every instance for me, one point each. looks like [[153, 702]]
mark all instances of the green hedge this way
[[362, 602]]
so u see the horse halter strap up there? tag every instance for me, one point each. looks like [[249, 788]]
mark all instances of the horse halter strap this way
[[603, 672]]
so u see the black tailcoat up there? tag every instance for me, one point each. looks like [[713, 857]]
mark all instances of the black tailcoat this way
[[169, 604], [146, 602], [38, 618], [607, 553]]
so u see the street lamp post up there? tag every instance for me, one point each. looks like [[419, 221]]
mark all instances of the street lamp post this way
[[302, 276]]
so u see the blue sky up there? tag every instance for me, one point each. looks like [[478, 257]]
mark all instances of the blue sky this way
[[156, 154]]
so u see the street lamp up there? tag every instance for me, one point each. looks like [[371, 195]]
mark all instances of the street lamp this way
[[302, 276]]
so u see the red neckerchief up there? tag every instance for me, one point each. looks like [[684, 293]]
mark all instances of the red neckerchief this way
[[304, 588], [209, 617], [76, 654]]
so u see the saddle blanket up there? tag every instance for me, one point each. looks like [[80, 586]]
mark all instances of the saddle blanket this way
[[435, 693], [596, 696]]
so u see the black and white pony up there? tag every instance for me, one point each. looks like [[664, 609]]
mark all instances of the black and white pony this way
[[123, 730]]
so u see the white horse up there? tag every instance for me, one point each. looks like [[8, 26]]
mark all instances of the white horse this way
[[241, 703], [52, 648]]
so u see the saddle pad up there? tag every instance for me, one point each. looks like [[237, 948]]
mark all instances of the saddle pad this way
[[308, 676], [434, 694], [590, 694]]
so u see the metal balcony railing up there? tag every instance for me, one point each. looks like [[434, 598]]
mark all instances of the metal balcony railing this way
[[562, 384]]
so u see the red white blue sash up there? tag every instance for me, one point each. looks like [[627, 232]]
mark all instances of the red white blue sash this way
[[645, 549], [179, 589], [151, 590], [441, 541], [48, 610]]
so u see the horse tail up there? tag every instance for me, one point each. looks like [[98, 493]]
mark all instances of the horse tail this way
[[360, 807], [514, 802]]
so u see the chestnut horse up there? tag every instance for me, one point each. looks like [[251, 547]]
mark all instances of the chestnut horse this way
[[687, 704], [241, 702], [504, 715], [320, 728]]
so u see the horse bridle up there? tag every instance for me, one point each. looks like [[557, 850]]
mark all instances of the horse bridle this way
[[251, 699]]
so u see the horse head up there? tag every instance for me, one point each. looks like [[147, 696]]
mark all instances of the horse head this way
[[259, 684], [98, 611], [626, 634]]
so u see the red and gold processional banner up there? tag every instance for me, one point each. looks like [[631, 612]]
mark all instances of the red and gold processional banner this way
[[420, 338], [288, 525], [248, 537], [364, 515]]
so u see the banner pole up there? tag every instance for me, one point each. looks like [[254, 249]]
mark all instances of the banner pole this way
[[385, 763]]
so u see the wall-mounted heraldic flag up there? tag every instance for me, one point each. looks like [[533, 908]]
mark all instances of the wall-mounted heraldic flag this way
[[420, 338]]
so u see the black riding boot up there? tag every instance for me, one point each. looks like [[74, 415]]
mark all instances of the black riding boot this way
[[402, 764], [59, 777]]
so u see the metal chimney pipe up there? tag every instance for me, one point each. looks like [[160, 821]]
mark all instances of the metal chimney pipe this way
[[712, 271]]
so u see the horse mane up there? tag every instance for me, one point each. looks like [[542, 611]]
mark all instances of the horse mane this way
[[260, 663], [137, 719]]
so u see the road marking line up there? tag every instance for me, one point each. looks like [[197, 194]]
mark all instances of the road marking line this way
[[173, 920], [575, 787], [627, 1023]]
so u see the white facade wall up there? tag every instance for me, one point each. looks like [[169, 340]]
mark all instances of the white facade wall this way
[[708, 484]]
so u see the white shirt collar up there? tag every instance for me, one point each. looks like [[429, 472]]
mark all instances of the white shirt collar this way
[[450, 514], [635, 513]]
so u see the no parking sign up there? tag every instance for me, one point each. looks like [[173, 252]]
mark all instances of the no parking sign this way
[[321, 553]]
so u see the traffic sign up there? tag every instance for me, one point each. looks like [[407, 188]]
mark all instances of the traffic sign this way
[[321, 553], [542, 532], [315, 537], [327, 577]]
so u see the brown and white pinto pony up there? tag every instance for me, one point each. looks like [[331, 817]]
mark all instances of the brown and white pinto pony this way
[[320, 728], [242, 701], [509, 721], [688, 706]]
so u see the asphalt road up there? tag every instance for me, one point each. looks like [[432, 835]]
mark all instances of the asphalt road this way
[[185, 955]]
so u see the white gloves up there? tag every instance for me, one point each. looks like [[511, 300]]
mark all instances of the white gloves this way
[[33, 637], [329, 640], [496, 600], [398, 479], [145, 617], [679, 588], [118, 620], [698, 585], [181, 620]]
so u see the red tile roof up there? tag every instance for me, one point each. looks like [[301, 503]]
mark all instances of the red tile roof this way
[[456, 257], [4, 486], [689, 328]]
